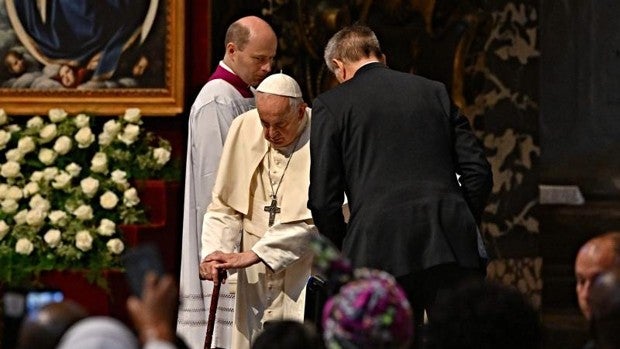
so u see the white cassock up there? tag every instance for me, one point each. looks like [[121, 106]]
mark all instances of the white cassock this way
[[214, 109], [273, 289]]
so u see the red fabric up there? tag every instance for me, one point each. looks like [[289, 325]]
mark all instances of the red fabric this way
[[96, 300], [238, 84]]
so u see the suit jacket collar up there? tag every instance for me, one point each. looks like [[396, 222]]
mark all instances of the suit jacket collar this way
[[369, 66]]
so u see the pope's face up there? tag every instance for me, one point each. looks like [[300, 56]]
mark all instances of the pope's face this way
[[280, 120]]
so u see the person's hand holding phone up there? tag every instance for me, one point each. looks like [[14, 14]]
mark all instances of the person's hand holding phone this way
[[154, 313]]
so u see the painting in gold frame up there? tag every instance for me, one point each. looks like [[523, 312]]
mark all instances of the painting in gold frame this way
[[98, 57]]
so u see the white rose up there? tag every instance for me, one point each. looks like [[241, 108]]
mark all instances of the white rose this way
[[31, 188], [47, 156], [83, 213], [40, 203], [48, 132], [84, 137], [58, 218], [119, 177], [3, 117], [115, 246], [12, 128], [89, 186], [24, 246], [4, 229], [112, 127], [26, 144], [99, 163], [10, 169], [5, 137], [63, 145], [9, 206], [14, 193], [52, 237], [83, 240], [106, 227], [36, 176], [34, 123], [50, 173], [20, 217], [35, 217], [130, 134], [14, 155], [57, 115], [108, 200], [62, 181], [161, 155], [132, 115], [105, 138], [73, 169], [4, 189], [82, 120], [130, 197]]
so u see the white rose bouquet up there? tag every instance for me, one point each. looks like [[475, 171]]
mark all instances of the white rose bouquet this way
[[66, 187]]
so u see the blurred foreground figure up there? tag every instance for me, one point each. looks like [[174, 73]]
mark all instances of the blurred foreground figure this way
[[44, 329], [605, 310]]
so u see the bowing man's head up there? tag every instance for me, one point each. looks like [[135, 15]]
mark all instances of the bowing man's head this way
[[281, 109]]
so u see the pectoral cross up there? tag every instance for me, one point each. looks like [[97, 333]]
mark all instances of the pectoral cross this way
[[272, 209]]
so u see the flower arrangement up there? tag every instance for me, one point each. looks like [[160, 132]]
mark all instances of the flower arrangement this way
[[65, 189]]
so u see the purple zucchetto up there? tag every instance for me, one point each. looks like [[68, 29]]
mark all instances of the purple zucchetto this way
[[371, 311]]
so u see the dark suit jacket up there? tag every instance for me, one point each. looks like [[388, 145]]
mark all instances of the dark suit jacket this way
[[393, 143]]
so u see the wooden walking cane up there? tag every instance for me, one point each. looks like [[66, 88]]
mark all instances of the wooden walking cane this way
[[215, 296]]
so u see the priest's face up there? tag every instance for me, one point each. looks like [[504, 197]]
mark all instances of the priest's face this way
[[281, 118], [253, 61]]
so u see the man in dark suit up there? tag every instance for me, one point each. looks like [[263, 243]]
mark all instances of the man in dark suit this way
[[393, 143]]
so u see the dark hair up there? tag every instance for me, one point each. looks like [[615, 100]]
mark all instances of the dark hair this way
[[605, 304], [288, 334]]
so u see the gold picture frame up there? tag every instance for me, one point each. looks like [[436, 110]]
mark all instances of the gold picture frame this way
[[147, 68]]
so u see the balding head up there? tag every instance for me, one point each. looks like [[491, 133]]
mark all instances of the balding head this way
[[44, 329], [246, 28], [596, 256], [250, 47]]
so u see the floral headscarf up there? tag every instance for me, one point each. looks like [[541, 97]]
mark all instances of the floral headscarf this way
[[369, 310]]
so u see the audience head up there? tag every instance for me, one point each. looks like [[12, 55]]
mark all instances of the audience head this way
[[45, 328], [486, 315], [250, 47], [288, 334], [99, 332], [596, 256], [350, 46], [370, 311], [281, 109], [604, 299]]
